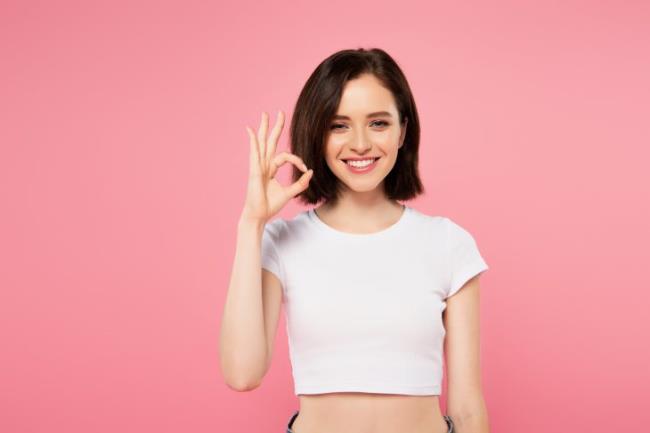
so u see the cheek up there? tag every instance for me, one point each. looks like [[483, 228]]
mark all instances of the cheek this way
[[335, 142], [387, 143], [333, 147], [393, 136], [385, 139]]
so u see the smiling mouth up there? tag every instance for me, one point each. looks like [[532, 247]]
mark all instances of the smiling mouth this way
[[359, 160], [361, 165]]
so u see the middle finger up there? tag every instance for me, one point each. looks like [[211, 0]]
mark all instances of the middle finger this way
[[271, 145]]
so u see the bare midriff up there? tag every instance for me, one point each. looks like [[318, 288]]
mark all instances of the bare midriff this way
[[357, 412]]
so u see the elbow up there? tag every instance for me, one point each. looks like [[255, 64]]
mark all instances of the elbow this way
[[471, 411], [241, 373], [242, 385], [240, 378]]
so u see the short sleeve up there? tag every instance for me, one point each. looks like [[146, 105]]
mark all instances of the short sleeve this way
[[465, 260], [270, 254]]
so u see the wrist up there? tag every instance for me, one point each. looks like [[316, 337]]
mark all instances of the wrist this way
[[248, 224]]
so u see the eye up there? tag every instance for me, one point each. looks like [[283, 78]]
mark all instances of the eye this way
[[379, 123]]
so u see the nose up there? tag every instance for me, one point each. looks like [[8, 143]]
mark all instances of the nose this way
[[360, 143]]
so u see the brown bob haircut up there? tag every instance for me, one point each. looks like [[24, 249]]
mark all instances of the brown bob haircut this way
[[316, 106]]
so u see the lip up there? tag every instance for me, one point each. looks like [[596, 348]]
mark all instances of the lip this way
[[365, 169], [362, 158]]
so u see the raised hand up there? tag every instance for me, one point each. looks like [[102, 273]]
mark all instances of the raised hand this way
[[265, 196]]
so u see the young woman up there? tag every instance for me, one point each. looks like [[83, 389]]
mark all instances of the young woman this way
[[373, 289]]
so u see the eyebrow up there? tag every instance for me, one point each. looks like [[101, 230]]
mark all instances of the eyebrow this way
[[375, 114]]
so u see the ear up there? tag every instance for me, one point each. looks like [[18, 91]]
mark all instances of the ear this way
[[403, 132]]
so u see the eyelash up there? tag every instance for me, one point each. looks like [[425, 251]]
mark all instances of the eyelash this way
[[383, 122]]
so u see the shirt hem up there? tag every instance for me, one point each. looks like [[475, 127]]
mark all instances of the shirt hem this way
[[360, 387]]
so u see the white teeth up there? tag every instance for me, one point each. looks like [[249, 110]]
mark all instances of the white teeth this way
[[360, 164]]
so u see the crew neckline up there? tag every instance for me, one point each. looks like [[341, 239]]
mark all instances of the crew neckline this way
[[313, 216]]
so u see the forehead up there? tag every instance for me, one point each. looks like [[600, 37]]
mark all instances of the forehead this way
[[365, 94]]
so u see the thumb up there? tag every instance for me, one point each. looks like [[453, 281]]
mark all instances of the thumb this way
[[301, 184]]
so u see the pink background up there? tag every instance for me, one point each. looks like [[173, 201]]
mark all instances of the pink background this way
[[123, 170]]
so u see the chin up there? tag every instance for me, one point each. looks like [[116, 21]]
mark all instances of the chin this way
[[365, 185]]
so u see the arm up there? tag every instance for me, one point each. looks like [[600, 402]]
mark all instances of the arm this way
[[465, 403], [250, 317], [252, 306]]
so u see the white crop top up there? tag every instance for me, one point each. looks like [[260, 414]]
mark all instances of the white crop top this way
[[364, 311]]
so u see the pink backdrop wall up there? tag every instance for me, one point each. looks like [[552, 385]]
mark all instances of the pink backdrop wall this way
[[123, 168]]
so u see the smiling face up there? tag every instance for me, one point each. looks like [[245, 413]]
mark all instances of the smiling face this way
[[365, 128]]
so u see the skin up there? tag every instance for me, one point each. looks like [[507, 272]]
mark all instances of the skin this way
[[364, 208]]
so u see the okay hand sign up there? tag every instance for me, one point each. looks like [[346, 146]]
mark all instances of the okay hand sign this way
[[265, 196]]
